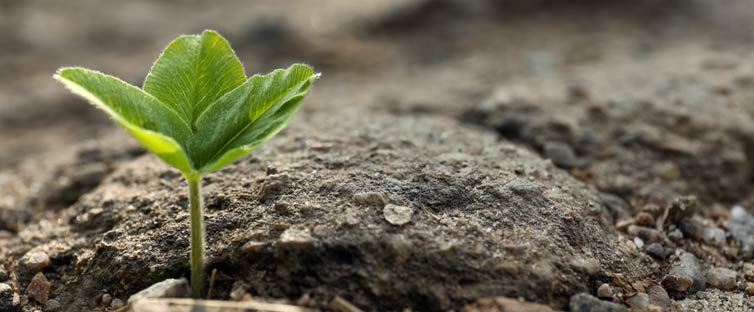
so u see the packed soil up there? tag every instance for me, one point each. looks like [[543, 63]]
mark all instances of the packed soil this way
[[454, 156]]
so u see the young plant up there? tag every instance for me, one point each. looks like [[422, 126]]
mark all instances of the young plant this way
[[197, 112]]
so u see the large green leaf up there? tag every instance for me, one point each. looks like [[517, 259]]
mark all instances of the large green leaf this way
[[155, 125], [248, 116], [197, 110], [193, 72]]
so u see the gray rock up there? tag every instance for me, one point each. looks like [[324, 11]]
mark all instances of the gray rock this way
[[657, 251], [714, 236], [675, 235], [685, 275], [659, 297], [169, 288], [397, 215], [639, 302], [584, 302], [721, 278], [52, 305]]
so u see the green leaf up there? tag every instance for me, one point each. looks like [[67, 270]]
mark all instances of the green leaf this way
[[155, 125], [197, 112], [193, 72], [248, 116]]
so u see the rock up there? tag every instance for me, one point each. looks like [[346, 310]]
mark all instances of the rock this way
[[117, 303], [657, 251], [296, 238], [691, 228], [6, 299], [169, 288], [275, 185], [675, 235], [39, 288], [107, 299], [645, 219], [721, 278], [649, 235], [504, 304], [584, 302], [589, 266], [714, 236], [372, 199], [659, 297], [561, 154], [397, 215], [685, 275], [605, 291], [36, 261], [741, 225], [749, 290], [52, 305], [639, 301]]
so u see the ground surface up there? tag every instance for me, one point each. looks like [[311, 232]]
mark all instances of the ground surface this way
[[534, 150]]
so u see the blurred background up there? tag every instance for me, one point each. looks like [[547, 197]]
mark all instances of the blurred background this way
[[388, 54]]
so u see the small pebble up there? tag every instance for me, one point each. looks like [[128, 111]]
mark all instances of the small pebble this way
[[657, 251], [639, 302], [605, 291], [107, 299], [39, 288], [645, 219], [714, 236], [589, 266], [722, 278], [117, 303], [561, 154], [36, 261], [52, 305], [397, 215], [685, 275], [675, 235], [658, 296], [691, 228], [5, 288], [649, 235]]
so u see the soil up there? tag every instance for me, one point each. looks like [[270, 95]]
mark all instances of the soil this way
[[536, 150]]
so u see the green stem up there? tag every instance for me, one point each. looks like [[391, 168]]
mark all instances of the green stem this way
[[197, 233]]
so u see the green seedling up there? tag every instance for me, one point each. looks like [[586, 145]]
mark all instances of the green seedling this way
[[198, 112]]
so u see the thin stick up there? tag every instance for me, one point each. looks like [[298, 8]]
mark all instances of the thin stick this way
[[343, 305], [157, 304], [197, 233], [211, 283]]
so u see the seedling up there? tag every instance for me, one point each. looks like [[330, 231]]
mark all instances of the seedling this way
[[197, 112]]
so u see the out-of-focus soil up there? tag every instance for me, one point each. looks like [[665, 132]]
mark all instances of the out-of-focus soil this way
[[538, 147]]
